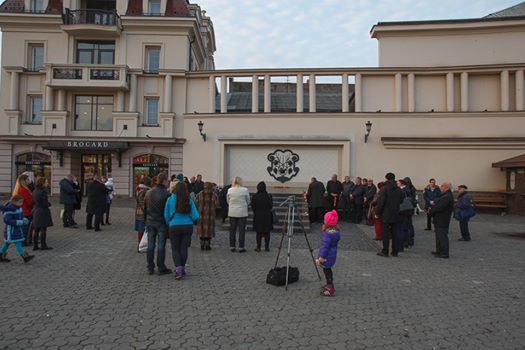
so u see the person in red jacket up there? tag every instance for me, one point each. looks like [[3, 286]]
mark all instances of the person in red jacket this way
[[22, 189]]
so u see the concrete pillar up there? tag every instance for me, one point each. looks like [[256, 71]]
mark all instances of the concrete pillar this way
[[49, 99], [133, 93], [267, 94], [120, 101], [450, 92], [255, 94], [61, 100], [224, 94], [300, 94], [344, 91], [464, 92], [504, 89], [358, 96], [211, 96], [411, 92], [311, 90], [168, 93], [13, 101], [519, 90], [399, 92]]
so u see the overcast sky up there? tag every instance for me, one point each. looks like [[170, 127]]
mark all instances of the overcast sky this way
[[319, 33]]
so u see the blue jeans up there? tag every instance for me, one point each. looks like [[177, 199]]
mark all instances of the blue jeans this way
[[18, 246], [153, 232]]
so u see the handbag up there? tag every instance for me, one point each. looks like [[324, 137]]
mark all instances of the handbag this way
[[406, 205], [277, 276], [467, 213]]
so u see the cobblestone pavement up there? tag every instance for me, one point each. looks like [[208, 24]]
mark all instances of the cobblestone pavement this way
[[92, 292]]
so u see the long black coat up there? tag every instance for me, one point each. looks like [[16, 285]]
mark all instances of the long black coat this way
[[96, 198], [442, 210], [41, 213], [390, 198], [262, 212], [315, 195]]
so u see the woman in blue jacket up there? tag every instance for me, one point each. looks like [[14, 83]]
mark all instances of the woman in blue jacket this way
[[180, 214], [463, 211]]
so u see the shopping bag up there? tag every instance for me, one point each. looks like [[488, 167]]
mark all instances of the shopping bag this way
[[143, 245], [61, 213]]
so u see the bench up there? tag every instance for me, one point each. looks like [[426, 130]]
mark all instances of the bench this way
[[496, 202]]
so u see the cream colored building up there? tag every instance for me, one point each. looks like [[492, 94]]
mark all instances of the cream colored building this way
[[446, 101]]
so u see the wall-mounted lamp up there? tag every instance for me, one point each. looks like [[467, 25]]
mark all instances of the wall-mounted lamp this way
[[368, 129], [201, 126]]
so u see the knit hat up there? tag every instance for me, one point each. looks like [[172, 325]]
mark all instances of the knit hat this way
[[180, 177], [331, 218]]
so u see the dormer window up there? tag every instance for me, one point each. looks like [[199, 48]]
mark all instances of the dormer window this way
[[154, 7]]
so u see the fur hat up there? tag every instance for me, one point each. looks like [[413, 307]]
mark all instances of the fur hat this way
[[331, 218]]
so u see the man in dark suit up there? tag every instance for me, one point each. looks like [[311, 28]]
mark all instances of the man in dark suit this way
[[315, 198], [357, 200], [96, 193], [442, 212], [334, 189], [387, 210]]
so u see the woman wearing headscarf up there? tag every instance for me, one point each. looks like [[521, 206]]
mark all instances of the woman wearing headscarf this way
[[262, 205], [22, 189], [206, 202]]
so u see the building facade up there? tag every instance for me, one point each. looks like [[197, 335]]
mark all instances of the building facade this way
[[447, 101]]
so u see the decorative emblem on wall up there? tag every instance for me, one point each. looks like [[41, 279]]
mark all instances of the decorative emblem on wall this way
[[283, 165]]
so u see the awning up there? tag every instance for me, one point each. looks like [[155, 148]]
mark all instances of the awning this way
[[514, 162]]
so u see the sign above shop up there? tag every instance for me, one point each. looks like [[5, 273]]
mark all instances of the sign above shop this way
[[90, 145], [283, 165]]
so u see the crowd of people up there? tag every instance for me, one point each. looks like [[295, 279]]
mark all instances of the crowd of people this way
[[170, 208]]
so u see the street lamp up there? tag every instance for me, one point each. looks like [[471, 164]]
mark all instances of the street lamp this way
[[368, 129], [201, 126]]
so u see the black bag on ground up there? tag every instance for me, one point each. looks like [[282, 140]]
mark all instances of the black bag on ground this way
[[277, 276]]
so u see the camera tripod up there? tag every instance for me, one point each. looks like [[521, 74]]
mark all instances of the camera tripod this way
[[288, 231]]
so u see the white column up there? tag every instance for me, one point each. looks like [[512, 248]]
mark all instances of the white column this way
[[49, 99], [399, 92], [464, 92], [300, 94], [255, 94], [267, 95], [504, 89], [120, 101], [13, 101], [519, 90], [344, 91], [211, 96], [133, 93], [311, 91], [358, 96], [61, 100], [168, 93], [411, 92], [224, 94], [450, 92]]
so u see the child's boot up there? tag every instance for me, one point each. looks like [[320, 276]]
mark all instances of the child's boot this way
[[27, 257], [328, 290], [3, 258]]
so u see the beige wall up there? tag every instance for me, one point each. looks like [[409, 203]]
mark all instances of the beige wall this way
[[373, 159]]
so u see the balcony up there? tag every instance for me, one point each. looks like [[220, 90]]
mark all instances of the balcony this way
[[80, 76], [91, 22]]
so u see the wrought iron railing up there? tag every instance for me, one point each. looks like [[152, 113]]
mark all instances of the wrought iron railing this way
[[104, 74], [67, 73], [98, 17]]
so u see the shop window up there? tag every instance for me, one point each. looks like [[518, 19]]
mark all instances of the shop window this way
[[148, 165], [152, 111], [94, 113], [38, 163], [154, 7], [35, 109], [36, 57], [152, 61]]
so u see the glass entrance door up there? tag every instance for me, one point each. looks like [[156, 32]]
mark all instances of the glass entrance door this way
[[94, 164]]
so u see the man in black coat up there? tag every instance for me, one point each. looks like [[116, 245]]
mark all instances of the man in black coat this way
[[357, 199], [442, 212], [334, 189], [348, 187], [96, 193], [371, 191], [315, 198], [387, 210]]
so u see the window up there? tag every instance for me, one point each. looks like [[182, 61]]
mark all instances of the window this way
[[36, 57], [154, 7], [37, 5], [152, 59], [152, 111], [96, 52], [35, 109], [94, 113]]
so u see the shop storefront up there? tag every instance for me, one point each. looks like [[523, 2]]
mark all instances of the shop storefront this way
[[38, 163], [148, 165]]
